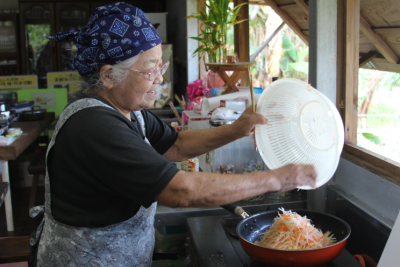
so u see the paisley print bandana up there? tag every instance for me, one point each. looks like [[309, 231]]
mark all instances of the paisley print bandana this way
[[113, 34]]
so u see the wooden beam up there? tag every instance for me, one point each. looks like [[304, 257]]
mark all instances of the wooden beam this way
[[242, 37], [373, 162], [341, 58], [303, 6], [378, 42], [367, 58], [352, 57], [396, 3], [258, 3], [286, 18]]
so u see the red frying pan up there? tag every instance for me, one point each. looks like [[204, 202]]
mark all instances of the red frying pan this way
[[250, 227]]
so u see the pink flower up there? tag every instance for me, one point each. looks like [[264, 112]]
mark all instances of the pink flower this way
[[195, 89]]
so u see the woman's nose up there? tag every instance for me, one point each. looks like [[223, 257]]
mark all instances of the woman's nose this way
[[159, 78]]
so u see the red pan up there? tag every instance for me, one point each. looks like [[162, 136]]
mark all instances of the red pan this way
[[251, 226]]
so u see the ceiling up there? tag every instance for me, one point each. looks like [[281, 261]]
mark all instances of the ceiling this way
[[379, 29]]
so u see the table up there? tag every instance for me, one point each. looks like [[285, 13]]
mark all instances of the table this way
[[239, 69], [31, 130]]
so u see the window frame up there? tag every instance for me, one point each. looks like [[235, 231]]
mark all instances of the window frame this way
[[347, 93]]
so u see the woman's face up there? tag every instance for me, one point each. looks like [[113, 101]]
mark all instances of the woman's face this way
[[137, 92]]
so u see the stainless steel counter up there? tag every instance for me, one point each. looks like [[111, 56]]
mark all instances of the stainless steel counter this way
[[166, 216]]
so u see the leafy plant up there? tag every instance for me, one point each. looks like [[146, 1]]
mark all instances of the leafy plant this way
[[37, 36], [373, 138], [293, 62], [217, 18]]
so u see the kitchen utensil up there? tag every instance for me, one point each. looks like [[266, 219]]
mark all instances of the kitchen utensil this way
[[252, 94], [32, 115], [304, 127], [253, 105], [250, 228]]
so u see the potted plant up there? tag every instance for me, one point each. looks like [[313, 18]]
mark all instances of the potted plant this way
[[217, 17]]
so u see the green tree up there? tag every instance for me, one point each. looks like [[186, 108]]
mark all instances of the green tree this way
[[293, 62]]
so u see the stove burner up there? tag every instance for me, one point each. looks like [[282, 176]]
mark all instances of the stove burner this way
[[229, 225]]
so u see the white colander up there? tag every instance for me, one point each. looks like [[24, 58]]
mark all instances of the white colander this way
[[304, 127]]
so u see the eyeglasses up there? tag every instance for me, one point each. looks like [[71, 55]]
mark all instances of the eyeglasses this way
[[154, 72]]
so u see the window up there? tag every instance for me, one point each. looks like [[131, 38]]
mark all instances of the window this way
[[378, 125], [367, 85]]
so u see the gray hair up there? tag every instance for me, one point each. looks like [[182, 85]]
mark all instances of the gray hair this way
[[118, 74]]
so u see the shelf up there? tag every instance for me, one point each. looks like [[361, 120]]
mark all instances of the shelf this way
[[8, 64]]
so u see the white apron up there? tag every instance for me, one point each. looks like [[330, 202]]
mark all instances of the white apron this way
[[129, 243]]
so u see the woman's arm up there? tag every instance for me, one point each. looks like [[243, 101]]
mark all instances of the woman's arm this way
[[193, 143], [203, 189]]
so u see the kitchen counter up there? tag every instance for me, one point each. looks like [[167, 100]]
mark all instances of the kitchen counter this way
[[166, 216]]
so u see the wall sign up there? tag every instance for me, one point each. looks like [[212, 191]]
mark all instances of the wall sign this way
[[19, 81], [65, 79]]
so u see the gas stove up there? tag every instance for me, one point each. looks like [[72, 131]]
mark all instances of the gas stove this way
[[213, 244]]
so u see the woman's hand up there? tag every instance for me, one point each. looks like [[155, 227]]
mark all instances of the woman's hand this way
[[292, 176], [244, 126]]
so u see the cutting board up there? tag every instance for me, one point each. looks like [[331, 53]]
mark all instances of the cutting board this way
[[391, 256]]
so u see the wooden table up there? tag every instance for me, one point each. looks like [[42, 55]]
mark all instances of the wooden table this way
[[31, 130], [239, 69]]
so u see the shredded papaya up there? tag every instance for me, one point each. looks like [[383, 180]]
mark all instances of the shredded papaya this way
[[290, 231]]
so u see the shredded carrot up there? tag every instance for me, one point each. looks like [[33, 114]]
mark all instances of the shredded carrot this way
[[290, 231]]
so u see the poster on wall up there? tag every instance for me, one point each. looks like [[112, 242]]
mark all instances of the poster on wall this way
[[19, 81], [46, 100], [54, 100], [64, 79], [165, 90]]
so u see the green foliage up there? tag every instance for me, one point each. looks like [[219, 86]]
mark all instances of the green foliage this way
[[293, 63], [217, 18], [390, 80], [37, 34], [373, 138], [381, 122]]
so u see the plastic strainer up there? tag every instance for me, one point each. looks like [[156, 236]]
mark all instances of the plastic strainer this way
[[304, 127]]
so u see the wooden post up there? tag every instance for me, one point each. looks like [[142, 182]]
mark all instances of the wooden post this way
[[352, 63], [242, 37], [341, 58]]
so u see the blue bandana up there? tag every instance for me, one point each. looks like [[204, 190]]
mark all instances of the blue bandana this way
[[113, 34]]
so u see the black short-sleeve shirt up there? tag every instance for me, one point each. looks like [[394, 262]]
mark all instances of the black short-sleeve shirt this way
[[101, 170]]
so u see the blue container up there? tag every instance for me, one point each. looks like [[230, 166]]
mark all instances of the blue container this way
[[257, 90]]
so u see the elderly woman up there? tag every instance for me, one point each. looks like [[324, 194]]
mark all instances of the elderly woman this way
[[110, 160]]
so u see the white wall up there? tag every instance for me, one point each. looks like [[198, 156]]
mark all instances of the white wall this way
[[378, 193], [192, 45]]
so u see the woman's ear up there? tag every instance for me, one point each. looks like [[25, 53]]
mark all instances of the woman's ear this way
[[106, 76]]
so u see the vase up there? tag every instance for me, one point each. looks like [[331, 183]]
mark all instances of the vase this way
[[223, 53], [211, 57]]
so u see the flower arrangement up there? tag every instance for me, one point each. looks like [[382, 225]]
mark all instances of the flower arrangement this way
[[217, 17]]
